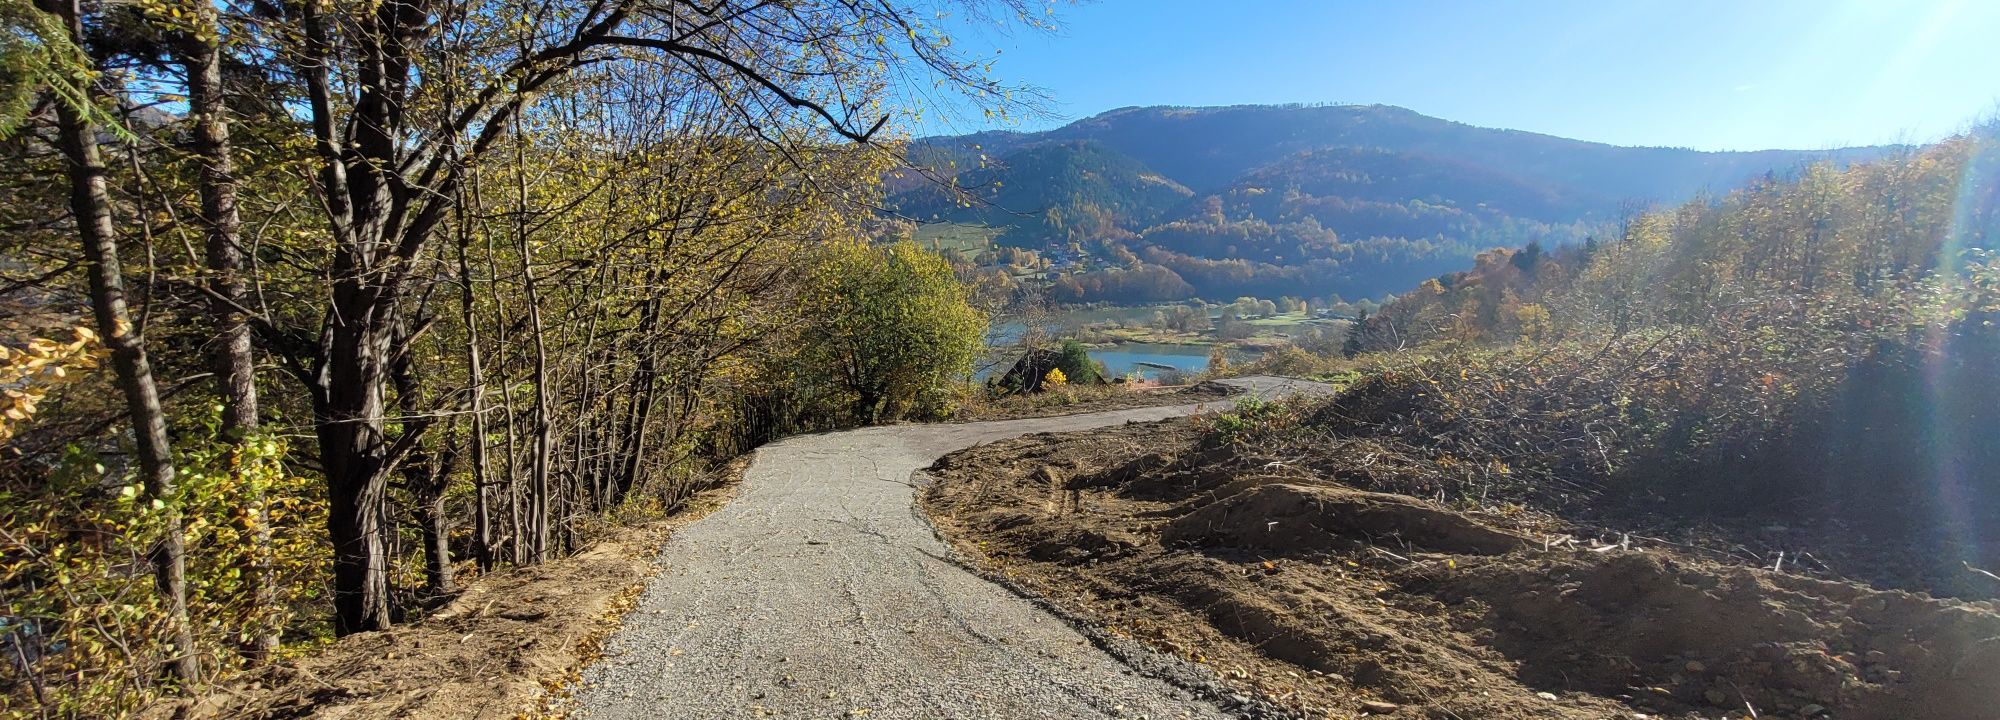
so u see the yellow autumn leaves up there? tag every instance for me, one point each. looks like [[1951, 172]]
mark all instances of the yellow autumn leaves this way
[[29, 372]]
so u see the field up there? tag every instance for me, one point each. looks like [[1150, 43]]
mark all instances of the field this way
[[955, 239], [1287, 322]]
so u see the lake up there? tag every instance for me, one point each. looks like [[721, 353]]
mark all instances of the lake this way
[[1124, 359], [1119, 360]]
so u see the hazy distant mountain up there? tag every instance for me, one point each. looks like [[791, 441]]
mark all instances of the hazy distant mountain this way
[[1327, 194], [1047, 191], [1205, 148], [1375, 192]]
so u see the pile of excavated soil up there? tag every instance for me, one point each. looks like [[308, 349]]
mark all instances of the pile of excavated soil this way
[[1339, 602], [509, 646]]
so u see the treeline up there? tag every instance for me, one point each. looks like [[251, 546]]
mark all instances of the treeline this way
[[1139, 284], [1881, 236], [1215, 258], [310, 306], [1818, 343], [1155, 274], [1368, 191]]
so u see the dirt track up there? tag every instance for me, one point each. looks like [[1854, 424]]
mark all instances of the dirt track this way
[[820, 592]]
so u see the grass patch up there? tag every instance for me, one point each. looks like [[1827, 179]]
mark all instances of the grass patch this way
[[956, 238]]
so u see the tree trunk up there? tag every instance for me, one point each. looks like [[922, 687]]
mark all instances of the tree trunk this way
[[538, 474], [426, 475], [348, 374], [482, 518], [428, 482], [868, 406], [436, 527], [90, 203], [645, 389], [517, 518], [235, 368], [234, 365], [349, 422]]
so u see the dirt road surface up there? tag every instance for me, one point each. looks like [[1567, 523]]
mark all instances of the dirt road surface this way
[[820, 592]]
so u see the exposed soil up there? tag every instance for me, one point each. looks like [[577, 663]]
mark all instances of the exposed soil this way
[[1100, 398], [1340, 602], [510, 645]]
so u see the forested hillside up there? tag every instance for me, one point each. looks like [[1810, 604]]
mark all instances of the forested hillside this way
[[1820, 346], [1207, 148], [1058, 192], [311, 308], [1303, 201]]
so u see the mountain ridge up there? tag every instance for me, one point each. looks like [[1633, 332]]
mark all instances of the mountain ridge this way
[[1306, 182]]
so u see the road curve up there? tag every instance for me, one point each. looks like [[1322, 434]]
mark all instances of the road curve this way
[[820, 592]]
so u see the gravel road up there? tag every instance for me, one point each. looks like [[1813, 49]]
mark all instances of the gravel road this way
[[819, 592]]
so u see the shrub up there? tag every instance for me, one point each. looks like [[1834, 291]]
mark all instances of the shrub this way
[[1288, 360], [90, 631], [1076, 365], [893, 326]]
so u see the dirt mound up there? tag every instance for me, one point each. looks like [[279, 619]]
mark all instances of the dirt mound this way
[[1050, 539], [1077, 399], [1700, 635], [1845, 479], [1289, 519], [1160, 476], [1336, 601]]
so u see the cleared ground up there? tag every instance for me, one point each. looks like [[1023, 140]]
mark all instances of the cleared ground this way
[[1297, 585]]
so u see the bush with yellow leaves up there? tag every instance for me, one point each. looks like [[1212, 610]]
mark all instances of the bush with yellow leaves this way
[[88, 632], [29, 372]]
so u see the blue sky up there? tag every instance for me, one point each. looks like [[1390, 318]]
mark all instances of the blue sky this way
[[1739, 75]]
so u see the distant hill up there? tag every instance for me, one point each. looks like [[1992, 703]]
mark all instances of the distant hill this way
[[1047, 192], [1308, 200], [1372, 175], [1206, 148]]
